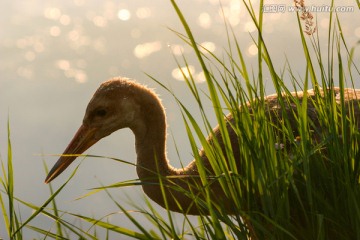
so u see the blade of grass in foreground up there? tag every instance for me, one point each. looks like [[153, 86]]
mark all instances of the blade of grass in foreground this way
[[55, 209], [114, 228], [10, 183], [47, 233], [2, 202], [64, 224], [46, 203], [10, 217]]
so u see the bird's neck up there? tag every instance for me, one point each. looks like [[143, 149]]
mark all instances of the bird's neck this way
[[153, 165], [150, 142]]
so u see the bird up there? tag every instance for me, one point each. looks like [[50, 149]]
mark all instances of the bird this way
[[124, 103]]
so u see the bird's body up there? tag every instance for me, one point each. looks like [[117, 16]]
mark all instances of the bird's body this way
[[121, 103]]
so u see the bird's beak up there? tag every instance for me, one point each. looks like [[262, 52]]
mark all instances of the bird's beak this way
[[83, 139]]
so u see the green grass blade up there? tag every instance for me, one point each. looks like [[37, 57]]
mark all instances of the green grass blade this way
[[10, 184], [114, 228], [56, 212], [47, 202]]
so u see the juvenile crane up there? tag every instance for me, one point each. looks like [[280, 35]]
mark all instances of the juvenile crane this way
[[123, 103]]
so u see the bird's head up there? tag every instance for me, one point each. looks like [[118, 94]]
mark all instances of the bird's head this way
[[115, 105]]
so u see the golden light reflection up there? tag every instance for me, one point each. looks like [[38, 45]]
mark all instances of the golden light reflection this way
[[124, 14], [74, 35], [77, 74], [63, 64], [143, 13], [232, 16], [208, 47], [52, 13], [204, 20], [99, 21], [78, 39], [180, 73], [65, 20], [55, 31], [176, 49], [146, 49], [185, 72], [109, 12], [71, 71], [235, 5], [32, 45], [252, 50], [38, 47], [200, 77], [80, 76]]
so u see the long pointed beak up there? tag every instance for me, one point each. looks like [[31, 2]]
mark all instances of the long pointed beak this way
[[83, 139]]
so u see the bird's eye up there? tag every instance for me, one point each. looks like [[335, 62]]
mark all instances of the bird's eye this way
[[100, 112]]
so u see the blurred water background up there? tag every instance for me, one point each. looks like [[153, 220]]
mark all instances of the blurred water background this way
[[54, 54]]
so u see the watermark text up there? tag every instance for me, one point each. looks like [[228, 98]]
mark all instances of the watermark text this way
[[282, 8]]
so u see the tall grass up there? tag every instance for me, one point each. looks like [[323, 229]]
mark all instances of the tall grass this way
[[299, 177]]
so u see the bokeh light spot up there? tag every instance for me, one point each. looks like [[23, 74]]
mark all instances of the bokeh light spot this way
[[182, 73], [124, 14], [146, 49]]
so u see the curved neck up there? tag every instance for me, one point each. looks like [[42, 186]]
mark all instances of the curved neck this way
[[152, 163], [150, 143]]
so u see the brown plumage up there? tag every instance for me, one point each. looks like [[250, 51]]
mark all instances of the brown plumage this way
[[122, 103]]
